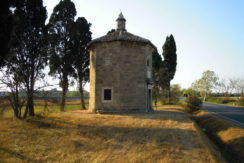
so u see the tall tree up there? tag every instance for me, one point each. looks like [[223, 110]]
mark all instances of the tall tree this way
[[156, 66], [28, 58], [156, 61], [61, 44], [206, 83], [160, 77], [170, 60], [82, 35]]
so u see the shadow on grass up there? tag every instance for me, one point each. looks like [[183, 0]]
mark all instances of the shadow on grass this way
[[159, 115], [41, 121], [16, 154], [136, 135], [101, 136], [47, 122]]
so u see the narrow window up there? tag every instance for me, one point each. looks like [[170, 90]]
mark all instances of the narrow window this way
[[107, 94], [148, 62]]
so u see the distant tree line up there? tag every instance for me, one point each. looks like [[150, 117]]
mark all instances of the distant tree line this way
[[164, 71], [210, 85], [30, 45]]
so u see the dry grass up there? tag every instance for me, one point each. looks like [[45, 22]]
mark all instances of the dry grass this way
[[40, 108], [229, 137], [42, 102], [166, 135], [72, 102]]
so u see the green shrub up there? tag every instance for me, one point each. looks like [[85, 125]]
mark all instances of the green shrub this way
[[193, 104], [226, 100]]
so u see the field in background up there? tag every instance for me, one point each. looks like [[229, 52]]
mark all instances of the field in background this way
[[231, 101], [166, 135], [42, 107]]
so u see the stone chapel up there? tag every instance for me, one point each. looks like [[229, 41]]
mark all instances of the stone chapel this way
[[120, 71]]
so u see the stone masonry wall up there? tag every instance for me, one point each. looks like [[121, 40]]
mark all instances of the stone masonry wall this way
[[122, 67]]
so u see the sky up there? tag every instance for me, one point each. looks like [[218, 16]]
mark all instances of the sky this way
[[209, 34]]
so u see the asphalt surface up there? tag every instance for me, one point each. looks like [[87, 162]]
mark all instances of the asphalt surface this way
[[235, 115]]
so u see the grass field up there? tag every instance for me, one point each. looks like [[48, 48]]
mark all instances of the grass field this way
[[230, 101], [166, 135], [7, 112]]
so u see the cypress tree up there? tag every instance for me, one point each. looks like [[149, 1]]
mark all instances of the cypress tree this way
[[82, 36], [170, 60], [62, 44]]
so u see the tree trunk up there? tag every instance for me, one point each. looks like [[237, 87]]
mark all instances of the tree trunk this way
[[83, 106], [19, 112], [156, 102], [16, 112], [14, 101], [64, 91], [26, 111], [62, 100], [31, 104], [156, 96], [31, 91], [169, 93]]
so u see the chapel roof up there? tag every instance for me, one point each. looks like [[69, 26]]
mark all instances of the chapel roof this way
[[120, 34]]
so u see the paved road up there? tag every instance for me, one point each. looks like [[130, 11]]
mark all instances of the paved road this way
[[234, 115]]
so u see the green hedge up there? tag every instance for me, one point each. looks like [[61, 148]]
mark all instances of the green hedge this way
[[193, 104]]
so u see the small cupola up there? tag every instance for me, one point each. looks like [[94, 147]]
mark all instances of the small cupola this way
[[121, 23]]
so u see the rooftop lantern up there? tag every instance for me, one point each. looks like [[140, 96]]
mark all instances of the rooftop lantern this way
[[121, 23]]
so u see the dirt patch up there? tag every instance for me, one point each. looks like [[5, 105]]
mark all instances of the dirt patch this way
[[228, 137]]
